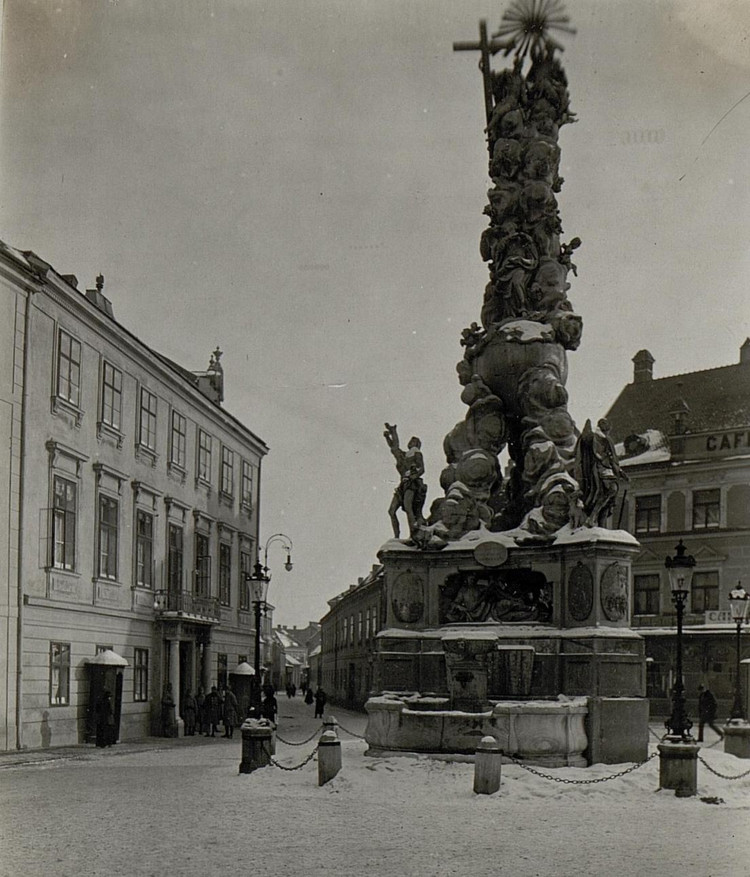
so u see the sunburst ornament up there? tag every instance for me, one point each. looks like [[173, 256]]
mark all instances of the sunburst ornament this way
[[525, 27]]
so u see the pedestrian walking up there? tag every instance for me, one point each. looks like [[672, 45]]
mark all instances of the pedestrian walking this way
[[189, 713], [212, 707], [231, 712], [309, 696], [105, 720], [320, 702], [269, 708], [707, 708]]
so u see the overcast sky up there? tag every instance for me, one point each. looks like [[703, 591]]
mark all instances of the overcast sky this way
[[302, 183]]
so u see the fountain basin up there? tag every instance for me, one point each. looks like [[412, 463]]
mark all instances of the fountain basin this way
[[549, 733]]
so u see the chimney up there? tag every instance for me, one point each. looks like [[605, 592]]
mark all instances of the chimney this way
[[98, 299], [745, 352], [643, 367]]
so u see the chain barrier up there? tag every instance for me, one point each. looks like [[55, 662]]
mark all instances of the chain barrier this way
[[300, 743], [568, 782], [722, 775], [351, 733], [296, 766]]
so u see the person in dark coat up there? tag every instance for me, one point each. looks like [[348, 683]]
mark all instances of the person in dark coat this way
[[231, 712], [189, 713], [200, 700], [320, 702], [168, 718], [309, 696], [707, 707], [105, 720], [269, 708], [212, 708]]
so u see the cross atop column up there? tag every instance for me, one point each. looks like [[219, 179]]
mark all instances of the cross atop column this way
[[486, 48]]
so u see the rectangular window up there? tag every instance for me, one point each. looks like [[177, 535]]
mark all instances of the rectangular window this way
[[140, 675], [59, 674], [227, 471], [147, 431], [222, 668], [178, 441], [204, 455], [705, 592], [351, 631], [648, 514], [111, 396], [175, 559], [202, 566], [706, 509], [359, 627], [225, 574], [108, 512], [144, 549], [246, 569], [69, 368], [246, 492], [64, 513], [646, 594]]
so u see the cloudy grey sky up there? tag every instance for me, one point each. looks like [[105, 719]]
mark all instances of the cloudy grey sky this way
[[302, 183]]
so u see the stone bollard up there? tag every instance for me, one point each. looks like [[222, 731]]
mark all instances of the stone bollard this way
[[256, 744], [487, 762], [329, 757], [678, 767], [737, 738]]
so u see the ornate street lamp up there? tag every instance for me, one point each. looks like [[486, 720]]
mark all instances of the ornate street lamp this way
[[739, 602], [259, 580], [680, 569]]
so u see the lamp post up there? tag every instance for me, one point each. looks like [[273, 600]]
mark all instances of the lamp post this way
[[739, 601], [680, 569], [259, 580]]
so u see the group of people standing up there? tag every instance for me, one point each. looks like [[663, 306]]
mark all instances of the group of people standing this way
[[203, 714]]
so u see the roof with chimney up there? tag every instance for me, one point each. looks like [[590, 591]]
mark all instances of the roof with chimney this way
[[708, 400]]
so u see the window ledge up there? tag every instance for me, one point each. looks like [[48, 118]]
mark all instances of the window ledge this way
[[107, 431], [176, 472], [202, 482], [62, 406], [146, 455], [226, 498], [246, 507]]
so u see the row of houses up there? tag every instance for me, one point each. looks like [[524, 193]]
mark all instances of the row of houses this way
[[684, 442], [129, 516]]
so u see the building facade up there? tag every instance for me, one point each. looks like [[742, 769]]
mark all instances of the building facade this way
[[347, 634], [129, 510], [684, 442]]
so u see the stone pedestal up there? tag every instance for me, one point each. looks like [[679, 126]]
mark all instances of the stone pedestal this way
[[256, 744], [678, 767], [466, 665], [737, 738]]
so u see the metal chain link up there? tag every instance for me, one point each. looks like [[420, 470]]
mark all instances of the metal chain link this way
[[722, 775], [351, 733], [568, 782], [296, 766], [301, 742]]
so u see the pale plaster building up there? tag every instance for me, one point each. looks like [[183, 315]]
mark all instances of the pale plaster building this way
[[684, 441], [128, 516]]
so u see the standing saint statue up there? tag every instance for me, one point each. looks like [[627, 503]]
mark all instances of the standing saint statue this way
[[411, 492]]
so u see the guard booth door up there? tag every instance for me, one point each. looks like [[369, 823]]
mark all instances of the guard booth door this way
[[105, 673]]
